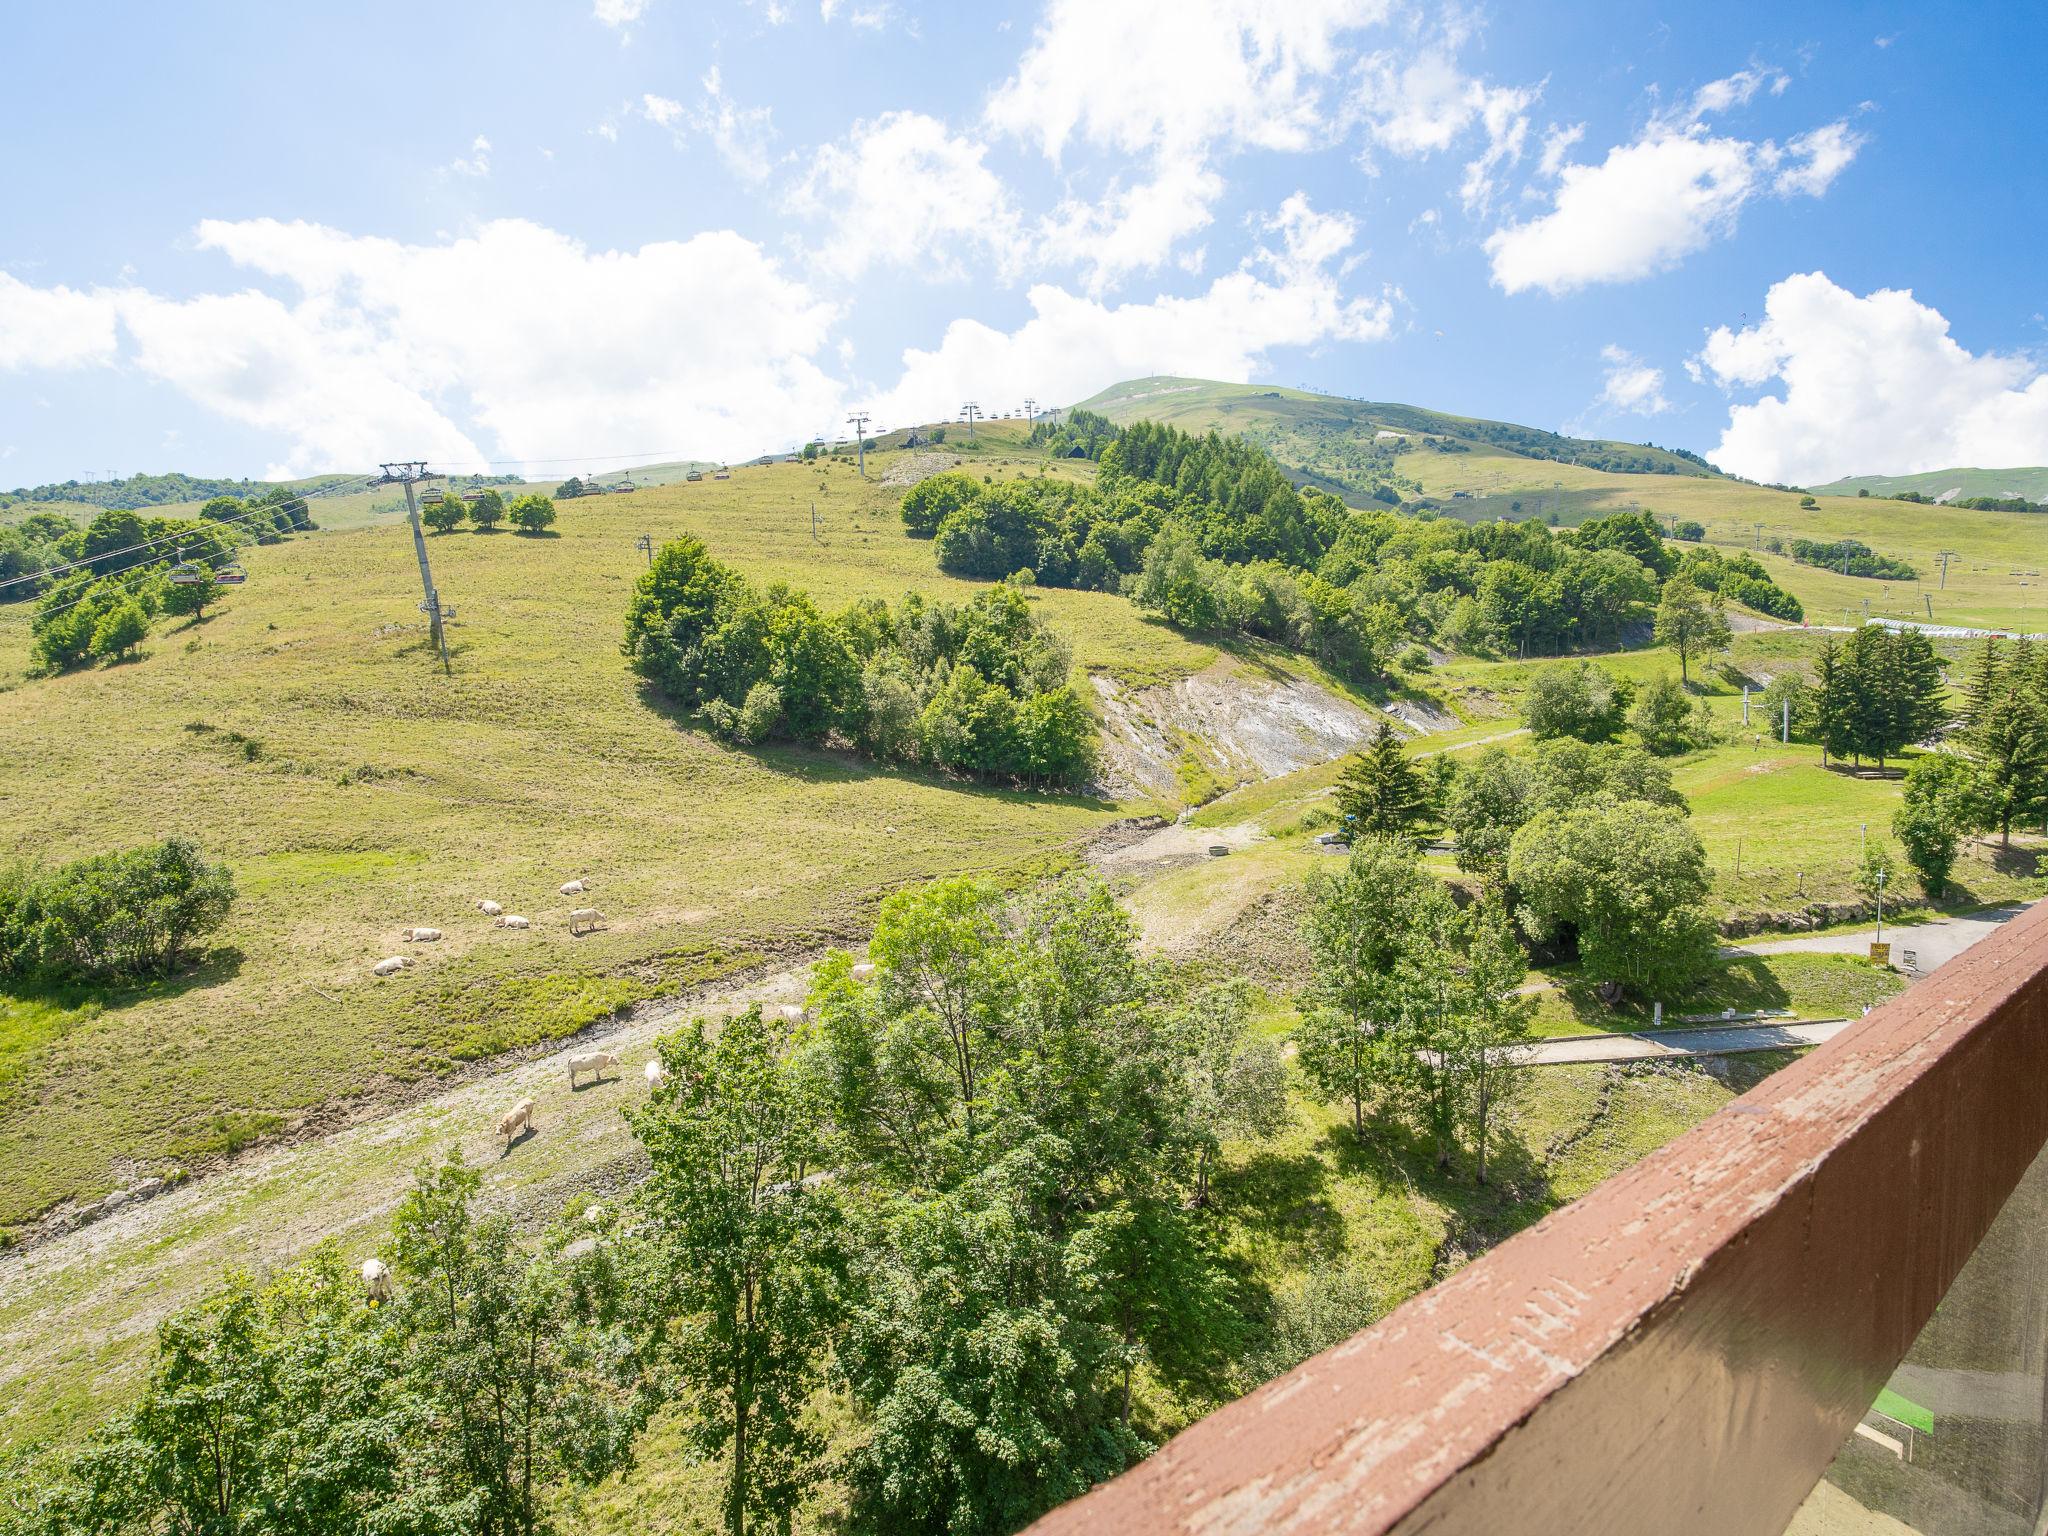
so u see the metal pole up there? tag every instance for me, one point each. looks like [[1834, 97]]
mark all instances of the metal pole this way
[[1785, 730], [419, 548]]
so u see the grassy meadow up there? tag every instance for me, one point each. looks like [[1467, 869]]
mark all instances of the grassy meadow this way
[[305, 733]]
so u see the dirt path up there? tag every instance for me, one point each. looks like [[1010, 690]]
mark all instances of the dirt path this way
[[78, 1312]]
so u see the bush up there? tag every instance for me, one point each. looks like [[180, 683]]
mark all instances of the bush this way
[[115, 916], [487, 510], [1575, 698], [119, 631], [445, 515], [1664, 718]]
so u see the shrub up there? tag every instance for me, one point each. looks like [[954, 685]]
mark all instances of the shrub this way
[[531, 514], [487, 510], [114, 916], [1574, 698]]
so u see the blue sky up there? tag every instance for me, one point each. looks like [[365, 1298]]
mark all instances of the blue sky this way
[[1804, 240]]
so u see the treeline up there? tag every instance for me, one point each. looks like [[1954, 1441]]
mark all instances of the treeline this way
[[1998, 504], [103, 610], [136, 491], [1850, 557], [121, 540], [122, 916], [1211, 534], [981, 688]]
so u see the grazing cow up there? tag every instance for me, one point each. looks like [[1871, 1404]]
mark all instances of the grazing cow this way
[[515, 1120], [511, 922], [594, 1063], [794, 1013], [655, 1073], [391, 966], [583, 919], [863, 972], [489, 908], [421, 935], [376, 1281], [575, 887], [581, 1248]]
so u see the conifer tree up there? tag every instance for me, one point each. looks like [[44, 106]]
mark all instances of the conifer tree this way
[[1382, 792]]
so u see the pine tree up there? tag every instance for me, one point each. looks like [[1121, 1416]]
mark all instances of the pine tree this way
[[1910, 703], [1834, 699], [2010, 748], [1381, 792], [1985, 680]]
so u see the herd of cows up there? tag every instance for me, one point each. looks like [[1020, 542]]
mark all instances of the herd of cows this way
[[581, 921]]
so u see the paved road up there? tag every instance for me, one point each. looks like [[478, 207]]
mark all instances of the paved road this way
[[1932, 943], [1719, 1040]]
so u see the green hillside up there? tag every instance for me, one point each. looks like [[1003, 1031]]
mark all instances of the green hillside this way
[[2030, 482], [1480, 471]]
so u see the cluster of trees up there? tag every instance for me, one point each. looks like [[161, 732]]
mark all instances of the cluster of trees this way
[[1083, 435], [1585, 843], [1998, 504], [118, 540], [1876, 695], [531, 513], [1211, 534], [980, 688], [298, 1406], [1739, 578], [1412, 1009], [1851, 557], [1995, 776], [117, 916], [1585, 701]]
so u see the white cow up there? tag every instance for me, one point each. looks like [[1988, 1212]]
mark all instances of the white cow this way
[[794, 1013], [511, 922], [594, 1063], [575, 887], [489, 908], [421, 935], [391, 965], [584, 919], [863, 972], [515, 1120], [376, 1281], [655, 1073]]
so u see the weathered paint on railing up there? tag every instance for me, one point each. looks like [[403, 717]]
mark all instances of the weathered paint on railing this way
[[1684, 1349]]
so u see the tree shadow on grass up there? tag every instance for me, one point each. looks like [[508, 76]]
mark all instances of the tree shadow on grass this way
[[1282, 1197], [212, 969], [1744, 983]]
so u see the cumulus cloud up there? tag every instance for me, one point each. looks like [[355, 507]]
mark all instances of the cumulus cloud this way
[[1632, 385], [1655, 201], [516, 337], [1869, 385], [1176, 89], [619, 13], [54, 327], [942, 198], [1285, 294]]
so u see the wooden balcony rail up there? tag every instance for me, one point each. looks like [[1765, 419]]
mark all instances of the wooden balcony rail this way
[[1684, 1349]]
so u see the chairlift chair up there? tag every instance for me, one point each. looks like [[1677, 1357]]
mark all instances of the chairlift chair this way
[[186, 573], [230, 575]]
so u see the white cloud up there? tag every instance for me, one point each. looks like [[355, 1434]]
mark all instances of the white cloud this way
[[1655, 201], [1816, 159], [940, 198], [1871, 385], [1737, 90], [1176, 87], [479, 161], [54, 327], [1632, 385], [870, 16], [515, 336], [1557, 143], [619, 13], [740, 135], [1284, 295]]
